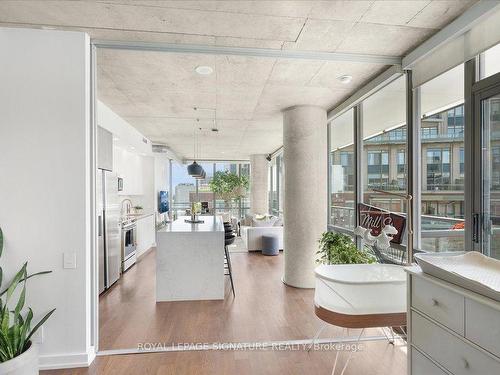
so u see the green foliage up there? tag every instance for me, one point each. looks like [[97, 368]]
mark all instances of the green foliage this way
[[337, 248], [229, 186], [15, 330]]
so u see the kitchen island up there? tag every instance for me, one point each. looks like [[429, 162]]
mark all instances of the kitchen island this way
[[190, 260]]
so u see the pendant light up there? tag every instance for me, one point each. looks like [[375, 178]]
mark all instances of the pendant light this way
[[194, 169], [203, 173]]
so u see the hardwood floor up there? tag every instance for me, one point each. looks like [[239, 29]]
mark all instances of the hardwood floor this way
[[264, 310], [377, 358]]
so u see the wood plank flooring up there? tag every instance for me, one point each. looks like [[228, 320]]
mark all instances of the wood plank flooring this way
[[377, 358], [264, 310]]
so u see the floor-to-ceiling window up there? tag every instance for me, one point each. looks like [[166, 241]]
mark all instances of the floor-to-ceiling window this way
[[342, 171], [276, 185], [489, 119], [445, 162], [383, 159], [490, 62], [442, 162], [238, 207], [183, 186], [187, 189]]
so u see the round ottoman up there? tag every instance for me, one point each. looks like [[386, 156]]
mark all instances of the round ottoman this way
[[270, 245]]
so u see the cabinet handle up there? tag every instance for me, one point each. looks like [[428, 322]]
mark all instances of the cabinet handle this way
[[435, 302], [99, 225], [465, 363]]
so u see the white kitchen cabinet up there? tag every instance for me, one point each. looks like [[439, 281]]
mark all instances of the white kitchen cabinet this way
[[451, 330], [145, 234], [129, 167]]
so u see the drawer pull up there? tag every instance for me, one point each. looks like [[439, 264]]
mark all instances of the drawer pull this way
[[435, 302], [465, 363]]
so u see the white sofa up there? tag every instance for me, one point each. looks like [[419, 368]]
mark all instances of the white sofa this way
[[252, 236]]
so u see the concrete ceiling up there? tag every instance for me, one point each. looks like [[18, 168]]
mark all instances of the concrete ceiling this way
[[156, 92]]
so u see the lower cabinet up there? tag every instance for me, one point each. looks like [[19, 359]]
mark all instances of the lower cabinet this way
[[451, 330], [145, 234]]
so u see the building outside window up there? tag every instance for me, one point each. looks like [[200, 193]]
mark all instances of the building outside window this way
[[438, 169], [342, 171], [378, 169], [442, 154], [462, 161]]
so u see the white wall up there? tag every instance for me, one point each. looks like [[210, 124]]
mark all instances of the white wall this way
[[45, 169], [125, 135]]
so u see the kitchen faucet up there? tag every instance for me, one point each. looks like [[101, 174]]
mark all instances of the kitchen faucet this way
[[128, 206]]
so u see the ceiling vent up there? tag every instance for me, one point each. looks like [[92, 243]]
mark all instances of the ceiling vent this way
[[160, 148]]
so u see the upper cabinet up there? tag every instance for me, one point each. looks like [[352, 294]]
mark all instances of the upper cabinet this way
[[129, 167], [104, 149]]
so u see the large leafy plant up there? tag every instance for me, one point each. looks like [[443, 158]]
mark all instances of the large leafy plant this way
[[15, 330], [229, 186], [337, 248]]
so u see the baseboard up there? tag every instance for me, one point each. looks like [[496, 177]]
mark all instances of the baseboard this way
[[70, 360], [139, 256]]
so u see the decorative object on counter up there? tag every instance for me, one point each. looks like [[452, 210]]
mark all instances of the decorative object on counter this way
[[195, 211], [230, 187], [18, 354], [128, 207], [337, 248]]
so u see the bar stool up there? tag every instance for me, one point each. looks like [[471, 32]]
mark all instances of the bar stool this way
[[228, 240]]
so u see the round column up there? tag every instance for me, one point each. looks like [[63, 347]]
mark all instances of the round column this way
[[305, 203], [259, 176]]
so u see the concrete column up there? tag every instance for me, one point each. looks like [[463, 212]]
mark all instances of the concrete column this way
[[305, 203], [259, 176]]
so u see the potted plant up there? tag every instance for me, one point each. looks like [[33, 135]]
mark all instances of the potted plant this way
[[337, 248], [138, 209], [229, 186], [18, 354]]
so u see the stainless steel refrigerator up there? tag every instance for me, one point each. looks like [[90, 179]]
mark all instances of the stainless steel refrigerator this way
[[108, 214]]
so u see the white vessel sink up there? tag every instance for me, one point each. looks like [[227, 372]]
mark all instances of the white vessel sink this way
[[357, 289], [471, 270]]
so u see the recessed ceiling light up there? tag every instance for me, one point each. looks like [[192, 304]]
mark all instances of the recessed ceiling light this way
[[116, 139], [345, 79], [133, 148], [204, 70]]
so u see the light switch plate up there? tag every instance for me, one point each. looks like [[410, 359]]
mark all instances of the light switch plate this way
[[69, 260]]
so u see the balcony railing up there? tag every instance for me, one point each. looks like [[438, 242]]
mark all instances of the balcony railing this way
[[426, 137], [437, 232]]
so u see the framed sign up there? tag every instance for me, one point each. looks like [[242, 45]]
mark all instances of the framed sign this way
[[375, 219]]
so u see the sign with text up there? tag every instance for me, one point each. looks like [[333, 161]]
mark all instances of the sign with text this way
[[375, 219]]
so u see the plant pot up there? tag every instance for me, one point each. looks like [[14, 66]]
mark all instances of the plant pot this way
[[24, 364]]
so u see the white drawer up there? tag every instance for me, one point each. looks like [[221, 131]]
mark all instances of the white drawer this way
[[482, 326], [449, 351], [421, 365], [441, 304]]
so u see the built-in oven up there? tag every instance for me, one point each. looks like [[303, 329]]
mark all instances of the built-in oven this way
[[129, 244]]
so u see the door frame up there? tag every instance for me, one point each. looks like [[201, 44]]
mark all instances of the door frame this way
[[480, 90]]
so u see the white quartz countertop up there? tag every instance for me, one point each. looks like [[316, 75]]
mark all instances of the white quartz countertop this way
[[210, 224]]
